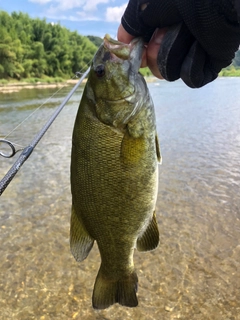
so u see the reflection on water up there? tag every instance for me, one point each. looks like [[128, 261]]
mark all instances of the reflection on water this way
[[194, 274]]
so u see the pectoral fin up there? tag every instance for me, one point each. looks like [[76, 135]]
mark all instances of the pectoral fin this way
[[80, 241], [158, 149], [149, 240], [132, 149]]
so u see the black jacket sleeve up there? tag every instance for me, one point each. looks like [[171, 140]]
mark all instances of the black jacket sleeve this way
[[202, 39]]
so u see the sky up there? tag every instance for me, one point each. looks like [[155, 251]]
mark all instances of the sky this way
[[88, 17]]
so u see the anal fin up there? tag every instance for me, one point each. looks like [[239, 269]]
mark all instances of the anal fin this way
[[80, 241], [149, 240]]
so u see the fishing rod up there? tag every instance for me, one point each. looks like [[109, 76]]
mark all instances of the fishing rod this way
[[29, 149]]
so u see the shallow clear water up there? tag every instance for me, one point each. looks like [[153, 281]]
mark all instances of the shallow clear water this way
[[194, 273]]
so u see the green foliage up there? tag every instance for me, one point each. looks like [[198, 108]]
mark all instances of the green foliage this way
[[33, 48], [43, 80], [96, 40], [230, 72], [146, 72], [234, 69], [33, 80], [236, 61], [3, 82]]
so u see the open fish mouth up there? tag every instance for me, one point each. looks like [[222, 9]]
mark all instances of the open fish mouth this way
[[119, 49]]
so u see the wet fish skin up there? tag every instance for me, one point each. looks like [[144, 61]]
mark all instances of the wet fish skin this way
[[114, 171]]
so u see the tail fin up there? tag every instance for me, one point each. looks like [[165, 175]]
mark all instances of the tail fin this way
[[108, 291]]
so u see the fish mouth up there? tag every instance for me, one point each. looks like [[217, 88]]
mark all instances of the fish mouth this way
[[120, 49]]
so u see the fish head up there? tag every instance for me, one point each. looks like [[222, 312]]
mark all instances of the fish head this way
[[113, 79], [113, 66]]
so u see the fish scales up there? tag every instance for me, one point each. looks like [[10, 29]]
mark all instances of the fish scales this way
[[114, 171]]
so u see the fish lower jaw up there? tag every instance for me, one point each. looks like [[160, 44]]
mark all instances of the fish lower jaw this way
[[127, 98]]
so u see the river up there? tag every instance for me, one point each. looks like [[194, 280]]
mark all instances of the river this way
[[194, 273]]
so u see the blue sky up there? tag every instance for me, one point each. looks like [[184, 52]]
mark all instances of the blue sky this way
[[88, 17]]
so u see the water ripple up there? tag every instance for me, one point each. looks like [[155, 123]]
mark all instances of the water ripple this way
[[192, 275]]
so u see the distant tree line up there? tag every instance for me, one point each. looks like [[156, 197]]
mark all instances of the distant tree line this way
[[34, 48], [236, 61]]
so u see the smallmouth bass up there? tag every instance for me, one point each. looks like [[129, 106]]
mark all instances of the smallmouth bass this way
[[114, 171]]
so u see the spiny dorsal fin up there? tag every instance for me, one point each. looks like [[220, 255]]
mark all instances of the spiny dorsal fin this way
[[149, 240], [80, 241]]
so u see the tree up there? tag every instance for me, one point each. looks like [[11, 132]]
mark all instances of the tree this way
[[236, 61], [34, 48], [97, 41]]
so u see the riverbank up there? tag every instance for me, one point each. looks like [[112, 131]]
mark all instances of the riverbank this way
[[48, 82], [17, 86]]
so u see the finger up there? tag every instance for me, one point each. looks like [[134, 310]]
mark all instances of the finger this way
[[174, 47], [198, 68], [152, 51], [144, 58], [123, 35]]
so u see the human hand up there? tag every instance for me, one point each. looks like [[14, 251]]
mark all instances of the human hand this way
[[150, 52], [199, 39]]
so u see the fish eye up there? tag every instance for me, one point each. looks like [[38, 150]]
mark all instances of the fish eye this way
[[100, 71]]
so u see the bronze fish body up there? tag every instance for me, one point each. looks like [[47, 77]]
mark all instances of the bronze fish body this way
[[114, 171]]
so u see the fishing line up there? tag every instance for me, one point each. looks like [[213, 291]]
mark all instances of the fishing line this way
[[31, 114], [10, 144], [29, 149]]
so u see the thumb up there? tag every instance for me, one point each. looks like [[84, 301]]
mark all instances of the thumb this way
[[123, 35]]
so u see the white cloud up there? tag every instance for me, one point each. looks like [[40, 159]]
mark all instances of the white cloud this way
[[91, 5], [82, 15], [63, 5], [40, 1], [114, 14], [82, 9]]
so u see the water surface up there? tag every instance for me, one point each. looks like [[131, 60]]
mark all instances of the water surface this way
[[194, 273]]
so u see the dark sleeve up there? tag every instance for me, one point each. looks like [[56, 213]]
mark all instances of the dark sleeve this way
[[237, 7], [158, 13], [213, 23]]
